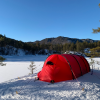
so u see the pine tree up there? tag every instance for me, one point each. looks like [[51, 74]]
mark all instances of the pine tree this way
[[1, 61], [77, 46], [96, 30], [71, 47], [31, 67]]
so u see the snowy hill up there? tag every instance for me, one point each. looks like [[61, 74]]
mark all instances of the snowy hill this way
[[17, 84]]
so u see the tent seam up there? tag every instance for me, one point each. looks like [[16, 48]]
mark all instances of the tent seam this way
[[70, 67], [88, 64], [79, 65], [83, 61]]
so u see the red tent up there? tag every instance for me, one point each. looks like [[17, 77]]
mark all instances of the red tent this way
[[63, 67]]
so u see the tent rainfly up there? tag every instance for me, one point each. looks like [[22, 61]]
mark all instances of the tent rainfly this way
[[63, 67]]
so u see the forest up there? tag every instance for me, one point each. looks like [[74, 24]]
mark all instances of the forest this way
[[35, 47]]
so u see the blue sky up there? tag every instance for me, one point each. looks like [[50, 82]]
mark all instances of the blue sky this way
[[31, 20]]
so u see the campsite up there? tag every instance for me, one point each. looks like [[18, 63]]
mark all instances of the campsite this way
[[49, 50], [17, 78]]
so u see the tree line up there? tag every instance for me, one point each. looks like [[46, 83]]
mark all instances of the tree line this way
[[35, 47]]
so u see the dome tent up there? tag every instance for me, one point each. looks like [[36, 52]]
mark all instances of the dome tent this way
[[63, 67]]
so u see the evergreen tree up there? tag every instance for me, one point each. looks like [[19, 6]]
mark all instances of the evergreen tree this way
[[37, 46], [64, 48], [71, 47], [31, 67], [1, 61], [51, 47], [96, 30], [77, 46], [67, 45]]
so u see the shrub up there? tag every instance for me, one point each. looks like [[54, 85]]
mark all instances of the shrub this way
[[1, 61]]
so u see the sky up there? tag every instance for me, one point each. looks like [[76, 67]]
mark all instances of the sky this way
[[31, 20]]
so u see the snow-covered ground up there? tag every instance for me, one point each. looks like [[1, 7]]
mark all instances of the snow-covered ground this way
[[17, 84]]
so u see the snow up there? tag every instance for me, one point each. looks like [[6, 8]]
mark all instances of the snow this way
[[18, 66], [87, 50], [15, 78]]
